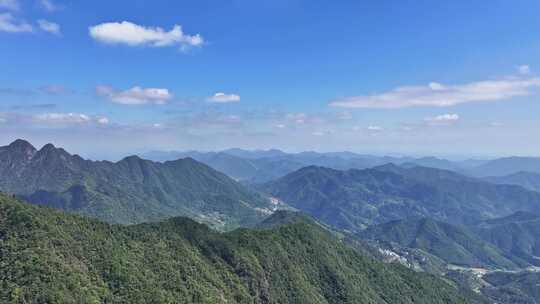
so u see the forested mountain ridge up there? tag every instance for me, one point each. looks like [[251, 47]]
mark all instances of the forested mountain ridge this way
[[354, 199], [528, 180], [132, 190], [453, 244], [517, 235], [52, 257]]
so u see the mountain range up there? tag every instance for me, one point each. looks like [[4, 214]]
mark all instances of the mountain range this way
[[527, 180], [260, 166], [507, 166], [436, 218], [132, 190], [53, 257], [354, 199]]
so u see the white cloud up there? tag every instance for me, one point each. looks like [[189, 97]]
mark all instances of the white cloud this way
[[11, 25], [12, 5], [439, 95], [374, 128], [224, 98], [281, 126], [67, 118], [345, 115], [63, 118], [103, 120], [444, 118], [52, 119], [298, 118], [524, 69], [135, 35], [135, 96], [49, 27], [49, 5]]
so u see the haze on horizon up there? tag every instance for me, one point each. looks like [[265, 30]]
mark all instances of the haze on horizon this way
[[105, 80]]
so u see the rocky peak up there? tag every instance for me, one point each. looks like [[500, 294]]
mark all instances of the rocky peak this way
[[48, 147], [23, 148], [50, 152]]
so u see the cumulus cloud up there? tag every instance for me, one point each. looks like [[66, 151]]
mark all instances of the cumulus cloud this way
[[10, 24], [49, 5], [131, 34], [224, 98], [440, 95], [135, 96], [12, 5], [49, 27]]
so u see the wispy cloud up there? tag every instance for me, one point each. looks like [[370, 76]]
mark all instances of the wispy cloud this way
[[63, 118], [34, 106], [524, 69], [54, 89], [135, 96], [440, 95], [131, 34], [12, 5], [374, 128], [17, 91], [52, 119], [49, 5], [443, 118], [224, 98], [49, 27], [10, 24], [298, 118]]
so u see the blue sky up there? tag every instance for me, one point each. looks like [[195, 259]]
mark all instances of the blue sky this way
[[106, 78]]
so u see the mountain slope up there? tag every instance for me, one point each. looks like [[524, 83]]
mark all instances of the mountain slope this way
[[354, 199], [508, 287], [129, 191], [507, 166], [453, 244], [517, 234], [52, 257], [527, 180]]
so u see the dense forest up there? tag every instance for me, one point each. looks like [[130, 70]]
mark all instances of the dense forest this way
[[48, 256]]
